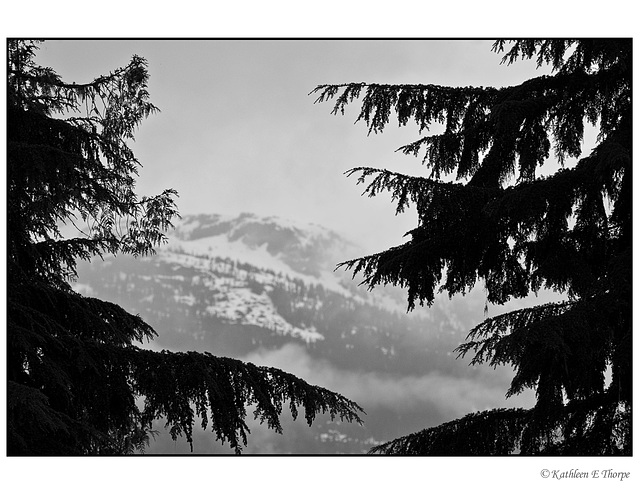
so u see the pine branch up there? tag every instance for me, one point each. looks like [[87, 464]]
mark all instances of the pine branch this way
[[495, 432], [424, 104], [490, 332], [598, 425]]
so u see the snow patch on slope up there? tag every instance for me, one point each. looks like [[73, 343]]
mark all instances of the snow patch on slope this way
[[241, 305]]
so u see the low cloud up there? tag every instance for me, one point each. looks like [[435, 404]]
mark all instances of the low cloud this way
[[395, 405], [452, 396]]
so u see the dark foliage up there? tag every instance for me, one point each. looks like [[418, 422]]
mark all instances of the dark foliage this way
[[77, 381], [485, 214]]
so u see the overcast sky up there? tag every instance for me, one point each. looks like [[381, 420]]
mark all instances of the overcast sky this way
[[238, 130]]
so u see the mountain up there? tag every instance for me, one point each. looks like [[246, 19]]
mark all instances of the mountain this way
[[266, 290]]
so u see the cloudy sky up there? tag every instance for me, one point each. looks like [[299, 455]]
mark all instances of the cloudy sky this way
[[238, 130]]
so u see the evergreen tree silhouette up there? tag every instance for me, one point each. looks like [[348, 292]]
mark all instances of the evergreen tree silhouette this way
[[77, 383], [500, 222]]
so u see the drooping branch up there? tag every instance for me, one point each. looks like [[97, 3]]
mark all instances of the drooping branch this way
[[484, 338], [495, 432], [424, 104], [79, 349], [226, 387], [596, 425]]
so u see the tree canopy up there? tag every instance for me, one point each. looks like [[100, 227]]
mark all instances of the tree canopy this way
[[78, 381], [486, 215]]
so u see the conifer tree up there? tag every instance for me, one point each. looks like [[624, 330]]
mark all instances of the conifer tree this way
[[486, 215], [77, 383]]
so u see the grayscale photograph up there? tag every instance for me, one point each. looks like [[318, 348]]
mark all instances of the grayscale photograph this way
[[320, 247]]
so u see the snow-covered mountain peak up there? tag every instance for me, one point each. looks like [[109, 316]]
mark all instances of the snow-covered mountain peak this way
[[269, 242], [201, 225]]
